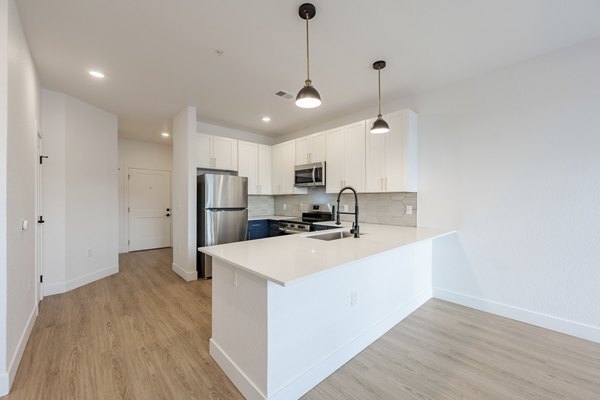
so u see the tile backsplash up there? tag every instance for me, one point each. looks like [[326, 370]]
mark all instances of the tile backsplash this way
[[377, 208], [261, 205]]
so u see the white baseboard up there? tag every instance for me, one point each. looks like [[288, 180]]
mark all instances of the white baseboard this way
[[233, 372], [566, 326], [123, 249], [54, 288], [6, 379], [188, 276], [317, 373], [4, 386], [62, 287]]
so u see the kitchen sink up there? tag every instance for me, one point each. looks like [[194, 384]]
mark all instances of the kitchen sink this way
[[331, 236]]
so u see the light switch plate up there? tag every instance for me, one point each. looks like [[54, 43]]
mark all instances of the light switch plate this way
[[409, 210]]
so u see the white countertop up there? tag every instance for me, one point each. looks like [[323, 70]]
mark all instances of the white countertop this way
[[285, 259], [273, 217]]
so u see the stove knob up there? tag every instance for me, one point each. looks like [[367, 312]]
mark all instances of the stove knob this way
[[292, 226]]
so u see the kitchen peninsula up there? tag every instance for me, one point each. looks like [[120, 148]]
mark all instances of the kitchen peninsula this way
[[288, 311]]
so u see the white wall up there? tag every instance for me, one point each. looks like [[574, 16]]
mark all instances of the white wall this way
[[143, 155], [92, 192], [510, 159], [20, 116], [4, 384], [183, 183], [81, 233]]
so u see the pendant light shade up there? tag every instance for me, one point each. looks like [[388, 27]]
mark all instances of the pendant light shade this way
[[379, 125], [308, 96]]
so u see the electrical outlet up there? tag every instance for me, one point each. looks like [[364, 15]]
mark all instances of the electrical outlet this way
[[345, 207], [353, 297], [284, 206], [409, 210]]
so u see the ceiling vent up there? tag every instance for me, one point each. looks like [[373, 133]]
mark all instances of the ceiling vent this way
[[284, 95]]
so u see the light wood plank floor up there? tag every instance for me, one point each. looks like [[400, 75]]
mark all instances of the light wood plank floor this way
[[143, 334]]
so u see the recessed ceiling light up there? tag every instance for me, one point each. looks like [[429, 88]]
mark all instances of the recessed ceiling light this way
[[96, 74], [165, 134], [266, 118]]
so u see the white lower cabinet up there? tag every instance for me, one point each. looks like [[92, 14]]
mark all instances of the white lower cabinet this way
[[346, 158], [391, 158], [254, 162], [284, 158]]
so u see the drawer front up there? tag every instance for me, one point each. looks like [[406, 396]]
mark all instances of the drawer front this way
[[258, 229]]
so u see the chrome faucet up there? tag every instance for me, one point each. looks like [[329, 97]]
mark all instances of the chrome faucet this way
[[355, 228]]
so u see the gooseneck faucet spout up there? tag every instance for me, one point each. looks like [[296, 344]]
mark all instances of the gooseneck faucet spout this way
[[355, 228]]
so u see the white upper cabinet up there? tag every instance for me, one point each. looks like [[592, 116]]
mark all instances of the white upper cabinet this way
[[283, 169], [346, 157], [355, 156], [248, 164], [264, 169], [311, 148], [254, 162], [391, 158], [215, 152], [203, 151]]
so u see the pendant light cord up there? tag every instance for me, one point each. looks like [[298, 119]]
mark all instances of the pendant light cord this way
[[379, 88], [307, 52]]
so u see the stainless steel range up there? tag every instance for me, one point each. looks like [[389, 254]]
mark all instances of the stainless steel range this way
[[316, 213]]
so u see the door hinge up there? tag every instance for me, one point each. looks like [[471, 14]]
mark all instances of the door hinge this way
[[128, 242], [128, 209], [41, 278], [128, 177], [42, 158]]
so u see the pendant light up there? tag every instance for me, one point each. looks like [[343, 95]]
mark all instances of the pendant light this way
[[379, 125], [308, 96]]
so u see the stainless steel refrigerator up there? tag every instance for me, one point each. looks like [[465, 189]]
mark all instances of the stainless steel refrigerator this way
[[222, 214]]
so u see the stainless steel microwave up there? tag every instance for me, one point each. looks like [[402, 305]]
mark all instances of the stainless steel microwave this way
[[310, 175]]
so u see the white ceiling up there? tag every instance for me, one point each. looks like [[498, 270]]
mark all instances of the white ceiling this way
[[160, 56]]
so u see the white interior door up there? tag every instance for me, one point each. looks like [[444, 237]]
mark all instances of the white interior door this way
[[40, 215], [149, 209]]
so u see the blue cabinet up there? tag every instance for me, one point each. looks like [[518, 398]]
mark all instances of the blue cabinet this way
[[258, 229]]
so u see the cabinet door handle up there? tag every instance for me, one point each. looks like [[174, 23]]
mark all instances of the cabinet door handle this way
[[381, 184], [386, 184]]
